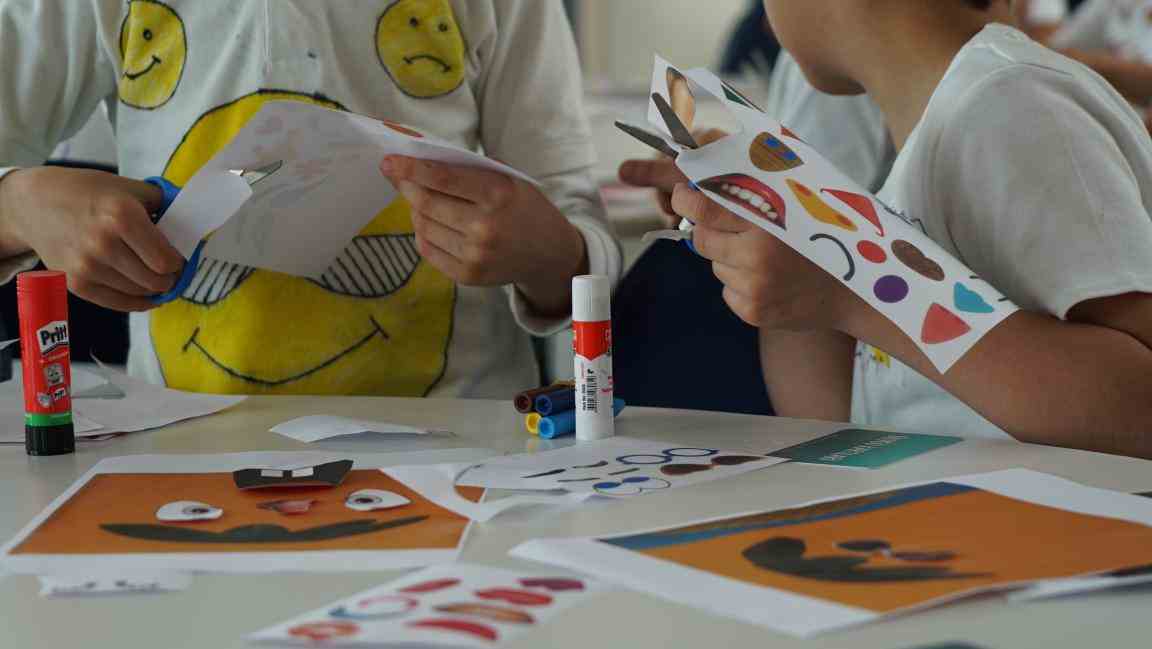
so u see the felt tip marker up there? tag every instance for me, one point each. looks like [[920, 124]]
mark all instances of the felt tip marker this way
[[564, 423], [526, 400], [592, 356], [45, 355], [554, 402], [532, 422]]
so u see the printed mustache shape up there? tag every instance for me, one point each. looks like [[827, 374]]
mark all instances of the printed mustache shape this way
[[786, 556], [749, 193], [723, 460], [260, 533], [914, 258]]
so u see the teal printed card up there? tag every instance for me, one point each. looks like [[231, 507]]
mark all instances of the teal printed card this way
[[865, 449]]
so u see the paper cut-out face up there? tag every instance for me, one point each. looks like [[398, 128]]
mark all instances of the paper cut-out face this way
[[419, 43], [153, 52], [116, 514], [378, 322]]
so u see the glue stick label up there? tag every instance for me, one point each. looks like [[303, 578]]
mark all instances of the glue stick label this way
[[45, 356], [592, 347]]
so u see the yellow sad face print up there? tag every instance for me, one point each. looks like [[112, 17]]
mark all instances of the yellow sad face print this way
[[379, 321], [153, 50], [420, 45]]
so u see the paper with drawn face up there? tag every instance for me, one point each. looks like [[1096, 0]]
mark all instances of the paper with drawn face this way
[[461, 605], [768, 176], [617, 467], [299, 219]]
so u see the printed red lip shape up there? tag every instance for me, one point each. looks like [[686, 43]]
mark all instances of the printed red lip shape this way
[[459, 626], [431, 586], [555, 584], [514, 596]]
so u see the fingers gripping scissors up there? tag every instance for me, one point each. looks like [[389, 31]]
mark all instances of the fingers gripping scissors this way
[[171, 191]]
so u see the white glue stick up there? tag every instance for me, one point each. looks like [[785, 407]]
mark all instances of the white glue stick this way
[[592, 347]]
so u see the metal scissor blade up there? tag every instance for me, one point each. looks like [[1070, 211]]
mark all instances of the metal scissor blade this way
[[651, 139], [679, 132], [253, 176]]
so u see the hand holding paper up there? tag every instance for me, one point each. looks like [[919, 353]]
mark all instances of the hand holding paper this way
[[484, 228]]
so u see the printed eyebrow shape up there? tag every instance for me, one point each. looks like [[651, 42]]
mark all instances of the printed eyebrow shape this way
[[633, 469], [545, 473], [592, 466], [578, 480]]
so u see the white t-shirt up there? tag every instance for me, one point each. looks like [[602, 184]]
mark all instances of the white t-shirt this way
[[848, 131], [1033, 171], [180, 78], [1122, 27]]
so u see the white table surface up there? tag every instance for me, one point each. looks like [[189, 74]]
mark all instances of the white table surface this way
[[218, 611]]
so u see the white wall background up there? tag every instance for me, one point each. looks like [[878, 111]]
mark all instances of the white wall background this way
[[618, 37]]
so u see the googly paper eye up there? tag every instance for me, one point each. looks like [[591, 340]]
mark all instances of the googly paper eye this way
[[183, 511], [367, 500]]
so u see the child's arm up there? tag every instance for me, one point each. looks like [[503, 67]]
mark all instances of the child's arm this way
[[808, 373]]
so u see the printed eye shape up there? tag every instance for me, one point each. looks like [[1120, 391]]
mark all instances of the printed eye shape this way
[[186, 511], [366, 500], [630, 486], [214, 281], [372, 266], [666, 456]]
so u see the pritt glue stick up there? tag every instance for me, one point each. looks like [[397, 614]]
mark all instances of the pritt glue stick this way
[[45, 356], [592, 347]]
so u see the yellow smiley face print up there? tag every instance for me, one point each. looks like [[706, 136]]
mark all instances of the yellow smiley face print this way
[[420, 45], [153, 50], [378, 322]]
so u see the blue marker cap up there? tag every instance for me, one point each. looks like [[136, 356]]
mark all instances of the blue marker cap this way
[[564, 423], [556, 402]]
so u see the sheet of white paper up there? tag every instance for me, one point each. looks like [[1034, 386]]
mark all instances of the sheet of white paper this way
[[462, 605], [1077, 586], [12, 421], [317, 427], [438, 484], [249, 562], [330, 173], [766, 175], [146, 406], [96, 586], [791, 612], [617, 467], [208, 201]]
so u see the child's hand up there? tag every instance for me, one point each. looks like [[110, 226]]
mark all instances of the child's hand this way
[[662, 174], [482, 228], [766, 283], [94, 226]]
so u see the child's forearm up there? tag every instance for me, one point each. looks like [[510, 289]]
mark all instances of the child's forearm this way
[[1044, 380], [10, 244], [808, 374]]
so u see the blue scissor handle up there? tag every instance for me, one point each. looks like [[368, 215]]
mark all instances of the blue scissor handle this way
[[171, 191]]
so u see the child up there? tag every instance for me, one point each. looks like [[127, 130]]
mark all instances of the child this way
[[1022, 163], [183, 77]]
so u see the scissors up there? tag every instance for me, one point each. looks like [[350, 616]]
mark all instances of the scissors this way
[[171, 191]]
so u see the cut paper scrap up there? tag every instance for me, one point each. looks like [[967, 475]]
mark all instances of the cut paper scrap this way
[[103, 586], [866, 449], [319, 427], [892, 265], [462, 605], [106, 522], [437, 483], [616, 467], [850, 560], [331, 167]]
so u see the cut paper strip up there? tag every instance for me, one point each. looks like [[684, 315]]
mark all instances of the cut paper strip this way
[[818, 209], [840, 208], [102, 586], [941, 326], [862, 204], [815, 567], [1083, 585], [970, 301], [438, 484], [459, 612]]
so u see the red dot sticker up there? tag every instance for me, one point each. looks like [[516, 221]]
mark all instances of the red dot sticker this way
[[872, 252]]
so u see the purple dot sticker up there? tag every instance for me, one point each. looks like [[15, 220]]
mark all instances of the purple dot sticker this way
[[891, 289]]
